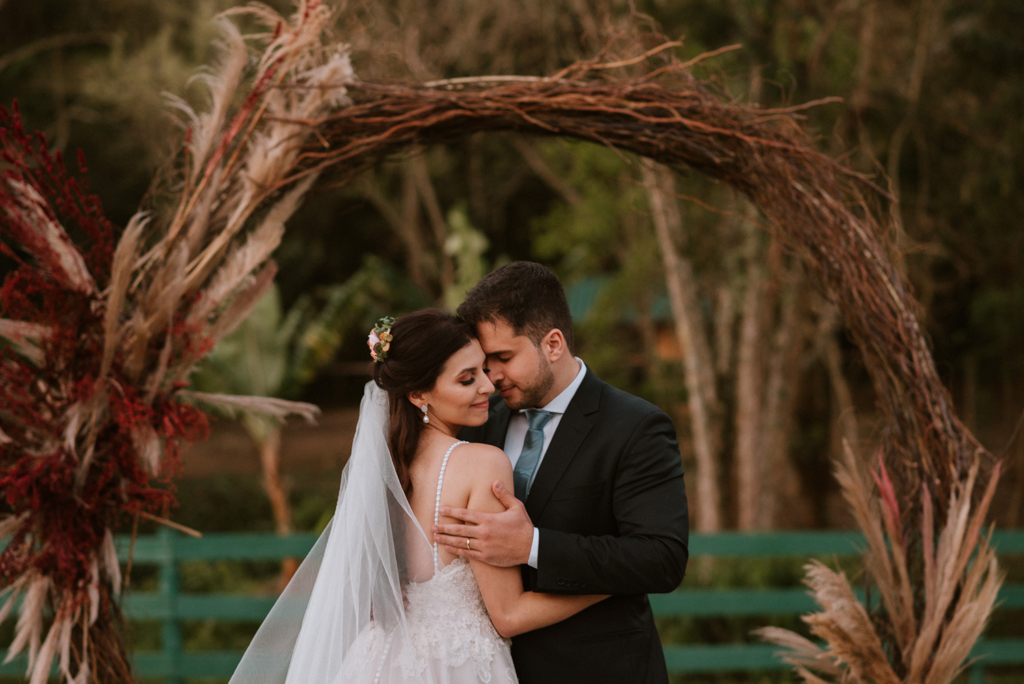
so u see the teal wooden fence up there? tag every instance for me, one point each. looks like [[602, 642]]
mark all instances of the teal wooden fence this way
[[169, 606]]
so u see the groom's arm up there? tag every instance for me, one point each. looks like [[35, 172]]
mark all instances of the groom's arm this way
[[650, 551]]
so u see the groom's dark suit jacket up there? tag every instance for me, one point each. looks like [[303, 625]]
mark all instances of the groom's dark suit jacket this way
[[609, 501]]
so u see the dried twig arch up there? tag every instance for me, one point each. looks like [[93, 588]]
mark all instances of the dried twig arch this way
[[831, 216], [98, 345]]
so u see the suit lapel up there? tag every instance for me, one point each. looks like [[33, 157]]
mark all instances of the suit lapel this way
[[497, 423], [572, 430]]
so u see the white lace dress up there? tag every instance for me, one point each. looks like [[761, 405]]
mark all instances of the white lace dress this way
[[449, 638]]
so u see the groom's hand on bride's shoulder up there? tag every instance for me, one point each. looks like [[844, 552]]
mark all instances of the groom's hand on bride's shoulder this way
[[501, 539]]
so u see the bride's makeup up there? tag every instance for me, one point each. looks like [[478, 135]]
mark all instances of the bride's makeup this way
[[460, 395]]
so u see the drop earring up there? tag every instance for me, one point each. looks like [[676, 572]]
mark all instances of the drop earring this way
[[424, 409]]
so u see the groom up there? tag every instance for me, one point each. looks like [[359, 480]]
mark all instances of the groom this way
[[600, 475]]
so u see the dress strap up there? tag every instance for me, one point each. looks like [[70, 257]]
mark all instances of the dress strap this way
[[437, 499]]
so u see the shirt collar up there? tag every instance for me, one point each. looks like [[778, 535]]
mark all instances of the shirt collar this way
[[561, 402]]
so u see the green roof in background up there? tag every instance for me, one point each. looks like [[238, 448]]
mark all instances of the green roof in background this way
[[585, 293]]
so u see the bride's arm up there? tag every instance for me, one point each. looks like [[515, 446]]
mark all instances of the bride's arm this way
[[512, 610]]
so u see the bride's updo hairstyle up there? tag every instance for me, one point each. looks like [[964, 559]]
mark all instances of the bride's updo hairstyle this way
[[421, 344]]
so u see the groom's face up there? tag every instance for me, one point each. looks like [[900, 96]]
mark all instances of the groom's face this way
[[517, 367]]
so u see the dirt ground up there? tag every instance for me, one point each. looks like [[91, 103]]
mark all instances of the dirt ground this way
[[323, 447]]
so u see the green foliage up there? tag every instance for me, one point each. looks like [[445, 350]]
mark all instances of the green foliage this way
[[996, 325], [99, 82], [608, 232], [320, 336], [342, 266], [276, 354], [253, 359], [959, 172], [466, 245], [587, 237]]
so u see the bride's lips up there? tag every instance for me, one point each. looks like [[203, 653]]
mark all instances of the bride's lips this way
[[481, 405]]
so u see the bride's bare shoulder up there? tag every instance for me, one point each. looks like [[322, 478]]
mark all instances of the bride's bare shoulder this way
[[478, 466], [484, 462]]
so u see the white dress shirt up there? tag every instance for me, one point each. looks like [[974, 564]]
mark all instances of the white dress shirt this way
[[516, 436]]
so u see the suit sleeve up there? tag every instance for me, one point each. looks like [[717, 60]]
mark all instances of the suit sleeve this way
[[650, 551]]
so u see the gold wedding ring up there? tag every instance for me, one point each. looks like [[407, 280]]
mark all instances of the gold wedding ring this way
[[467, 545]]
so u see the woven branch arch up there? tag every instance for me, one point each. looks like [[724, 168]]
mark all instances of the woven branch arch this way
[[98, 359], [828, 214]]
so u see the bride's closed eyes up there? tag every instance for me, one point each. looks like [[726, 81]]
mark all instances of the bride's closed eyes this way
[[459, 397], [468, 376], [474, 375]]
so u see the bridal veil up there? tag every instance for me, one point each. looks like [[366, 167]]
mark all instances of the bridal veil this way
[[355, 572]]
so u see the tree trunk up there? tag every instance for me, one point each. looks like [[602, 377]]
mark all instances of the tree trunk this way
[[399, 222], [929, 25], [725, 317], [970, 400], [865, 53], [410, 225], [479, 197], [649, 339], [540, 167], [270, 457], [750, 361], [416, 167], [850, 126], [845, 423], [780, 482], [750, 378], [700, 379], [1017, 497]]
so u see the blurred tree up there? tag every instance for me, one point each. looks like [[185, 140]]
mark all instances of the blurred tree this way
[[465, 245], [701, 383], [93, 74], [932, 91], [273, 354]]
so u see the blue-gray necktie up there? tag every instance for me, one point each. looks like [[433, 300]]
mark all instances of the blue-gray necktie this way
[[532, 446]]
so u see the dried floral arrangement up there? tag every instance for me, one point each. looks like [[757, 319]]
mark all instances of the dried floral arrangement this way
[[99, 345], [68, 473], [931, 625]]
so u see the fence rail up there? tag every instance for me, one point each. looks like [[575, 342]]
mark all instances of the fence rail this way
[[167, 605]]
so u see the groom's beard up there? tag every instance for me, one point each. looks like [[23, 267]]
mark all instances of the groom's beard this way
[[531, 395]]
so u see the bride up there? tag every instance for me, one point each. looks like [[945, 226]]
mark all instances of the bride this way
[[375, 601]]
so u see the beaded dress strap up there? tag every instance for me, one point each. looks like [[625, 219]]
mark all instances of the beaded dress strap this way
[[437, 499]]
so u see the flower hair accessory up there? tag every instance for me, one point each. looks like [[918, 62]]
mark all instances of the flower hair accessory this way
[[380, 338]]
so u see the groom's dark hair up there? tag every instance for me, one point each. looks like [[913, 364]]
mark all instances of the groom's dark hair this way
[[525, 295]]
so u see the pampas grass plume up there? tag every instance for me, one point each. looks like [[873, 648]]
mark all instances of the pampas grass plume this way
[[959, 594]]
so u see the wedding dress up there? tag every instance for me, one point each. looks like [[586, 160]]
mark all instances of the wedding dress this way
[[449, 637], [372, 603]]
